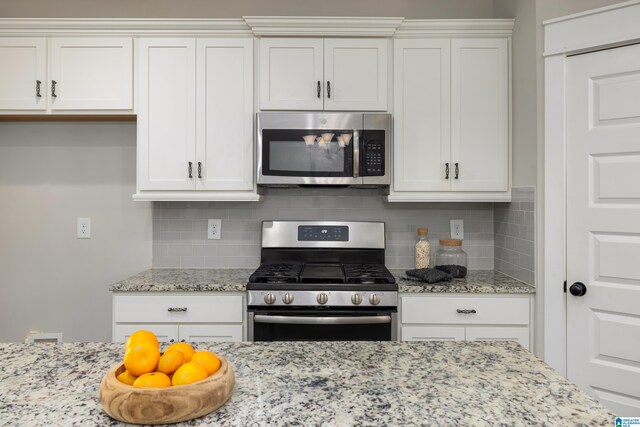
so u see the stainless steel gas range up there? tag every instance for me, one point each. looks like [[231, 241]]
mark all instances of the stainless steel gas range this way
[[322, 280]]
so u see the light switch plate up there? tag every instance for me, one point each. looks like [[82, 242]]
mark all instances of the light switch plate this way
[[457, 229], [214, 229]]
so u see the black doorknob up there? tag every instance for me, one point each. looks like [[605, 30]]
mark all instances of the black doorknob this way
[[578, 289]]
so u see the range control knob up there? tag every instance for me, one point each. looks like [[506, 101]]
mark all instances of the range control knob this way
[[270, 298], [287, 298], [356, 299], [374, 299], [322, 298]]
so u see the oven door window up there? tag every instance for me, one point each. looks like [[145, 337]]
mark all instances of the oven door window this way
[[307, 153], [272, 327]]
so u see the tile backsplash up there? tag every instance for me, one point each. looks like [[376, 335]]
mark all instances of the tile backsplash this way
[[515, 234], [179, 228]]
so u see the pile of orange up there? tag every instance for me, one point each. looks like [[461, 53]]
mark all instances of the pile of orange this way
[[179, 364]]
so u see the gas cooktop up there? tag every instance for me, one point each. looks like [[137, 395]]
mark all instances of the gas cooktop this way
[[322, 273]]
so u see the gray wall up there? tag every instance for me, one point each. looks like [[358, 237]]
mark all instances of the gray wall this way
[[179, 229], [239, 8], [50, 174]]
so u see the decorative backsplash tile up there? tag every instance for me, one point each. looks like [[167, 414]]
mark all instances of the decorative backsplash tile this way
[[179, 228], [514, 244]]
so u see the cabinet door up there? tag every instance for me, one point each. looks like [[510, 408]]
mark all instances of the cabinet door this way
[[211, 333], [479, 115], [225, 114], [433, 333], [166, 114], [355, 73], [422, 129], [492, 333], [165, 333], [23, 73], [91, 73], [291, 74]]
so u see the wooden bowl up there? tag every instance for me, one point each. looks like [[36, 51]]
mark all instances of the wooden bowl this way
[[165, 405]]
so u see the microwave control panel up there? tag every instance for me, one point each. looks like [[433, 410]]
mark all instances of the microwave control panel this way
[[374, 153]]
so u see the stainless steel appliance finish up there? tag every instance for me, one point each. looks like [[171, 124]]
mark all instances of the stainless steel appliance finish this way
[[284, 234], [366, 157], [322, 280]]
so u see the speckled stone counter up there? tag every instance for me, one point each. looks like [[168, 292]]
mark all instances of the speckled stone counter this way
[[321, 383], [476, 282], [180, 280]]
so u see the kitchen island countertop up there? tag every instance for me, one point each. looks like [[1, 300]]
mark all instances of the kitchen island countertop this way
[[235, 280], [317, 383]]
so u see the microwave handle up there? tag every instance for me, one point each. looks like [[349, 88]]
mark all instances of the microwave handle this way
[[356, 154]]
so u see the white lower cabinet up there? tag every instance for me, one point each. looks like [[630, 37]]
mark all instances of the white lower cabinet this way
[[465, 317], [177, 317]]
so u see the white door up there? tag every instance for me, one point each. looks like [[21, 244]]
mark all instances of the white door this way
[[433, 333], [422, 127], [225, 114], [355, 74], [211, 333], [23, 73], [91, 73], [165, 333], [479, 115], [603, 226], [291, 74], [166, 114]]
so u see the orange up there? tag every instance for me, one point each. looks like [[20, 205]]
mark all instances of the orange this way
[[153, 380], [141, 358], [170, 361], [189, 373], [126, 377], [139, 336], [184, 348], [207, 360]]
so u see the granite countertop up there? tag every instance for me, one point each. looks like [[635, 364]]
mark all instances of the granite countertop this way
[[317, 383], [476, 282], [235, 280], [180, 280]]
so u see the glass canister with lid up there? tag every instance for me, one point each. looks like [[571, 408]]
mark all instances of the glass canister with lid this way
[[451, 259], [423, 252]]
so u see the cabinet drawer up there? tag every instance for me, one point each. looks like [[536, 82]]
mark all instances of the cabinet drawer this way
[[177, 309], [165, 333], [211, 333], [433, 333], [466, 310], [509, 333]]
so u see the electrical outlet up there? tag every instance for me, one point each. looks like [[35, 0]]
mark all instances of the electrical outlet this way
[[214, 229], [457, 229], [84, 228]]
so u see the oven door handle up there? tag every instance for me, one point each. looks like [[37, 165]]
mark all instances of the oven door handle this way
[[308, 320]]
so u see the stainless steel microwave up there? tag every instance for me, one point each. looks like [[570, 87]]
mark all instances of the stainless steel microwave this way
[[318, 148]]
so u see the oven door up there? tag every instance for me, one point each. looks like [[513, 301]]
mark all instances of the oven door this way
[[329, 325], [309, 148]]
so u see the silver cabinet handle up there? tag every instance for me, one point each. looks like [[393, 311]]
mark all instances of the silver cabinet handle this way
[[319, 89], [457, 171], [38, 83], [356, 154], [200, 170], [53, 88], [446, 171], [177, 309], [328, 89], [466, 311], [190, 169], [304, 320]]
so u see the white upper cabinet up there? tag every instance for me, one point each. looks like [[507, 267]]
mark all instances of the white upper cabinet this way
[[329, 74], [355, 73], [91, 73], [451, 120], [23, 73], [195, 119], [225, 114], [291, 74], [74, 74], [166, 114], [422, 107]]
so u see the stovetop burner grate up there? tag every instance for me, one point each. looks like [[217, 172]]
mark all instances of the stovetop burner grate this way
[[276, 273], [322, 273]]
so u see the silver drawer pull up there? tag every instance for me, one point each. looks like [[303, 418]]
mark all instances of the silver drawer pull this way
[[175, 309], [471, 311]]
